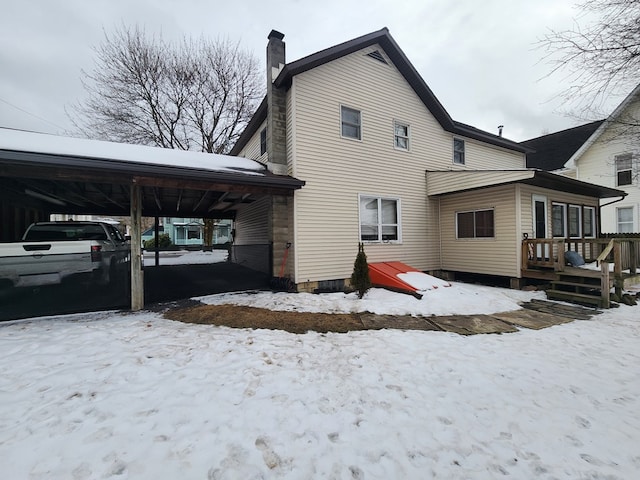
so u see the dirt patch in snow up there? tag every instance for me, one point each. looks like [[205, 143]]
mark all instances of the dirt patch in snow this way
[[250, 317]]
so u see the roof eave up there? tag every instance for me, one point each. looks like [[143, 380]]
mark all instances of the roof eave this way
[[252, 127], [134, 169]]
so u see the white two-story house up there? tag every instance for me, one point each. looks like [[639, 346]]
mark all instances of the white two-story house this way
[[610, 156], [386, 165]]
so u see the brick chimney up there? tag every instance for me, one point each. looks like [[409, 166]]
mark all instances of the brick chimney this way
[[276, 106]]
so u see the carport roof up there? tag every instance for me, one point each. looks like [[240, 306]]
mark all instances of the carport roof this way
[[73, 175]]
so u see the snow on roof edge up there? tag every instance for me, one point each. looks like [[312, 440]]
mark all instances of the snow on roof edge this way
[[33, 142]]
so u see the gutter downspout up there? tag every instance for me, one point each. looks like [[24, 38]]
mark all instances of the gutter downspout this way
[[600, 211]]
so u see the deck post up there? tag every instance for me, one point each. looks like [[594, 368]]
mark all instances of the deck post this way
[[137, 275], [604, 284]]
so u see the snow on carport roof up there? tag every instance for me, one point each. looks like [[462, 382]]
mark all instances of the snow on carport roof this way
[[31, 142]]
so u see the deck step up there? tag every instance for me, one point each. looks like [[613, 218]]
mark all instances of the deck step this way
[[575, 297], [566, 283]]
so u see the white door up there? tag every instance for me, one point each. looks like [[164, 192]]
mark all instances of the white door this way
[[540, 213]]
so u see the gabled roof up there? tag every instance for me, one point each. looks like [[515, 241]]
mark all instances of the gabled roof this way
[[552, 151], [455, 181], [384, 39], [635, 93]]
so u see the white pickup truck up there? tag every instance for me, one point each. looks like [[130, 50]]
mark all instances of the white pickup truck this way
[[53, 252]]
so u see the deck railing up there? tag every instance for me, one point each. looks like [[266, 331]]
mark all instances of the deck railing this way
[[623, 253]]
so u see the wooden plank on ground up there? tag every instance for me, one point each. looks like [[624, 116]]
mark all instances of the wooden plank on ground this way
[[472, 324], [531, 318]]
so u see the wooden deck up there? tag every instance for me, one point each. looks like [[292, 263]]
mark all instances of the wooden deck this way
[[615, 258]]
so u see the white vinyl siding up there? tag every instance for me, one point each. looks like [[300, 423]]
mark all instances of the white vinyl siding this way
[[336, 171], [497, 255], [597, 165], [251, 223], [252, 148]]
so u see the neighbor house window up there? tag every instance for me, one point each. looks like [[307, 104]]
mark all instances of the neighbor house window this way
[[625, 219], [575, 221], [475, 224], [351, 123], [379, 219], [401, 136], [263, 141], [623, 169], [589, 222], [559, 219], [458, 151]]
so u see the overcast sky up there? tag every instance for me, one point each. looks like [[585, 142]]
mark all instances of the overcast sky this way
[[478, 57]]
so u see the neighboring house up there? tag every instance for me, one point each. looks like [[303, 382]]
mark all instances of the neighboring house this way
[[189, 231], [609, 155], [385, 165]]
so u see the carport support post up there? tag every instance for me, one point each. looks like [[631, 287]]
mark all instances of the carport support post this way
[[137, 275]]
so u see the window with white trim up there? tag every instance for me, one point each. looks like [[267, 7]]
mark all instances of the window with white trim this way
[[625, 219], [379, 219], [624, 174], [589, 222], [401, 136], [559, 219], [458, 151], [351, 123], [574, 216], [475, 224]]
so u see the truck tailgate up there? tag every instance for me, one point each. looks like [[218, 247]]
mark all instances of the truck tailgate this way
[[44, 263]]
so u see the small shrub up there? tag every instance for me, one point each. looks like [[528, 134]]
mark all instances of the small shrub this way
[[360, 280], [164, 241]]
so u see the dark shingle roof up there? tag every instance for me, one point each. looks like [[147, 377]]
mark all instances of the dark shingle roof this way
[[552, 151], [388, 44]]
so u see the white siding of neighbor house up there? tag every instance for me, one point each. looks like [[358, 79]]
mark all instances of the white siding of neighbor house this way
[[493, 256], [337, 169], [597, 165]]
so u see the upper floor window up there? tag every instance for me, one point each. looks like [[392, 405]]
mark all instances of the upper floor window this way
[[379, 219], [623, 169], [458, 151], [351, 121], [476, 224], [401, 136], [263, 141]]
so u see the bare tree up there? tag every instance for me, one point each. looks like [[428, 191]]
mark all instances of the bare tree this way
[[192, 95], [600, 58]]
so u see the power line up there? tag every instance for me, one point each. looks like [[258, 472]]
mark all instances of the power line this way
[[31, 114]]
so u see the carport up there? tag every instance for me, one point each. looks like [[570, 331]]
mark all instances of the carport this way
[[44, 174]]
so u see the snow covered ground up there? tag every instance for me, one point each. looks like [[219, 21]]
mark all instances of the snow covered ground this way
[[123, 395], [183, 257]]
